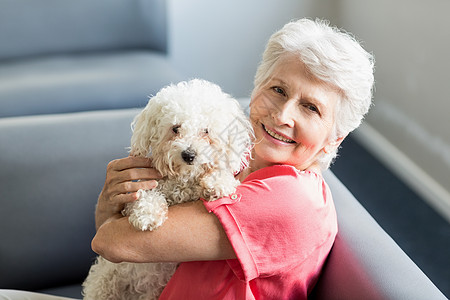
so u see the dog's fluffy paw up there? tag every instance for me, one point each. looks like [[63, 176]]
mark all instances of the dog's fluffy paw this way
[[218, 185], [149, 211]]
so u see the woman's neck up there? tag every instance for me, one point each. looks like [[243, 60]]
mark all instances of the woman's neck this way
[[252, 167]]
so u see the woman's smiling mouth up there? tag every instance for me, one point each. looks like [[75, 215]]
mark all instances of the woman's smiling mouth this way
[[277, 136]]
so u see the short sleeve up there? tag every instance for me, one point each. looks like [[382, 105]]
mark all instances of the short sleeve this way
[[275, 220]]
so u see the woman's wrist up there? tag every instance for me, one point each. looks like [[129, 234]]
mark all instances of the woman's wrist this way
[[104, 211], [103, 239]]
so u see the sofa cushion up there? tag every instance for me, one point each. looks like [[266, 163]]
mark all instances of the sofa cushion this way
[[82, 82]]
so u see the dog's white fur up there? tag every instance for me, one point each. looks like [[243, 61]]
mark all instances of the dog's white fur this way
[[198, 138]]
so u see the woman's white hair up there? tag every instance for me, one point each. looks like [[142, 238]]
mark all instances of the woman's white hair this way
[[331, 56]]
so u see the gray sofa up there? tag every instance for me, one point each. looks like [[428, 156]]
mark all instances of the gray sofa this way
[[53, 167], [67, 98]]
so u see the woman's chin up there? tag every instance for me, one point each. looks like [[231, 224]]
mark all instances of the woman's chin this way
[[269, 155]]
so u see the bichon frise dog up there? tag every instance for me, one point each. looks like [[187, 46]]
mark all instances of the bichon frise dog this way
[[198, 138]]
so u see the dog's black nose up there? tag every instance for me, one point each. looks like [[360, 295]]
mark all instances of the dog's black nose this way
[[188, 155]]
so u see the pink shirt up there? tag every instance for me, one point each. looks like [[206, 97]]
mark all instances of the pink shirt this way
[[281, 223]]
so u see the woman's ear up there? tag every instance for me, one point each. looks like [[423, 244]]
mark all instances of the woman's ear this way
[[333, 145]]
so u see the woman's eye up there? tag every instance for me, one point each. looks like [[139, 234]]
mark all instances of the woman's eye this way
[[279, 90], [176, 129], [312, 108]]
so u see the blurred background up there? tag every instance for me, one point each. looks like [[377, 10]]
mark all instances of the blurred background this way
[[397, 164]]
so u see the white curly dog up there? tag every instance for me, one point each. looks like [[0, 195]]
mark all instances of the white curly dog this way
[[198, 138]]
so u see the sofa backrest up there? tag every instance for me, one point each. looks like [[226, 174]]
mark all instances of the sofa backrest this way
[[42, 27]]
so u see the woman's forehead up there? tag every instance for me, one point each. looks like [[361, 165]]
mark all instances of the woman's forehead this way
[[290, 64]]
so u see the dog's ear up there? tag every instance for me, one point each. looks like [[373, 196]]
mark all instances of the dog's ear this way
[[240, 137], [145, 128]]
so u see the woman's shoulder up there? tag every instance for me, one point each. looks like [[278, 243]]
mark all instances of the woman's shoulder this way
[[280, 199]]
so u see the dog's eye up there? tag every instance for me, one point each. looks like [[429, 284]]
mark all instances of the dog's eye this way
[[176, 128], [205, 131]]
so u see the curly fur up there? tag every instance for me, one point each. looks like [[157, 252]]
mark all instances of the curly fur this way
[[198, 138]]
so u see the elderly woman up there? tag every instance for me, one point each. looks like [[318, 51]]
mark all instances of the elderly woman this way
[[271, 238]]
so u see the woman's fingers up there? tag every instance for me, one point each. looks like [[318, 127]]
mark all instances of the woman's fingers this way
[[130, 187], [129, 163], [122, 199], [139, 174], [132, 168], [125, 176]]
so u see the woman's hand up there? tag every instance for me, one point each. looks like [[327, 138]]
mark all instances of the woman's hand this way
[[124, 177]]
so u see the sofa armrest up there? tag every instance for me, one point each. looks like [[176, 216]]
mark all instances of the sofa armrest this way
[[365, 263]]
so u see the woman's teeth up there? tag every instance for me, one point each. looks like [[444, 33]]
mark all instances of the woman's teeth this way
[[277, 136]]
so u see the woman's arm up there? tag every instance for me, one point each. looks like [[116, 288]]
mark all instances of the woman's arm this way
[[189, 234]]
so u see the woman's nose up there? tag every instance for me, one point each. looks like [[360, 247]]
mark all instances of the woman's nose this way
[[284, 114]]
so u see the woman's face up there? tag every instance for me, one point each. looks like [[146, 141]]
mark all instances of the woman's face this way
[[293, 117]]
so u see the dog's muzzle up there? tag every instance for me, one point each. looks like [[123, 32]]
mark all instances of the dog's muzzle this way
[[188, 156]]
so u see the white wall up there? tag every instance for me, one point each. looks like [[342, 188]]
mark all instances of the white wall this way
[[411, 43], [223, 40]]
